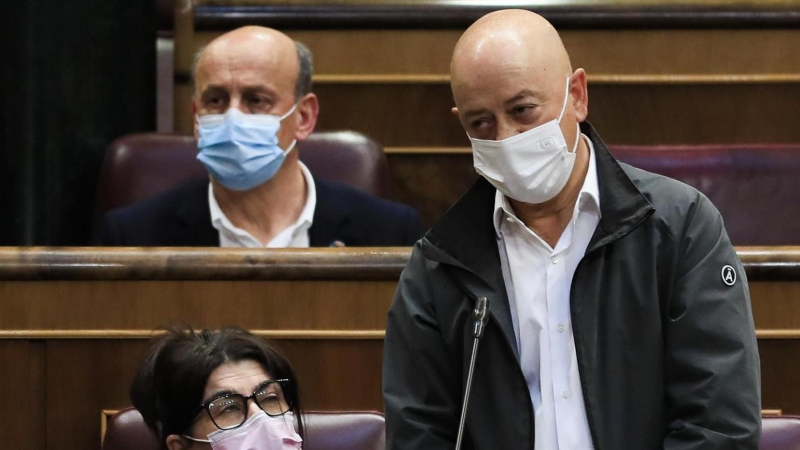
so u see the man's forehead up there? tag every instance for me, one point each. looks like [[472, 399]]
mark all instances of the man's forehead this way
[[497, 87], [244, 68]]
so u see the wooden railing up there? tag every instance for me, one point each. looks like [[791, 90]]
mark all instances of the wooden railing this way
[[75, 323]]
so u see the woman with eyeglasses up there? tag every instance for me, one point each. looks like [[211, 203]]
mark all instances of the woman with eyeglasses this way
[[221, 389]]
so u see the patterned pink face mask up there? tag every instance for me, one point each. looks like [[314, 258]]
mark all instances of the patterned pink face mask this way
[[259, 432]]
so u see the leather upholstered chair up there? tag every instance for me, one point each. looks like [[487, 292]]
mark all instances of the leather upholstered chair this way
[[324, 431], [780, 433], [140, 166], [755, 187]]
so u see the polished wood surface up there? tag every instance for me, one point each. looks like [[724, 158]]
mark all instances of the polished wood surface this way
[[32, 263], [223, 14], [216, 266], [74, 324]]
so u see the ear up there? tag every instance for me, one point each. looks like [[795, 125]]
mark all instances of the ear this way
[[175, 442], [307, 113], [580, 95], [454, 110]]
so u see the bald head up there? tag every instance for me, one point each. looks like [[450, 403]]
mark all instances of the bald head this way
[[508, 40], [280, 55], [507, 58]]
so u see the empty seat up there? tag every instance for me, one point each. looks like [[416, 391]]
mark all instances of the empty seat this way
[[755, 187], [780, 433]]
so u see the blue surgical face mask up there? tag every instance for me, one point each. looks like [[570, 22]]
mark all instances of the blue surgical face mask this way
[[241, 150]]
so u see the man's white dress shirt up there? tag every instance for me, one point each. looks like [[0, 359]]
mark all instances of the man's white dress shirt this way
[[296, 235], [538, 280]]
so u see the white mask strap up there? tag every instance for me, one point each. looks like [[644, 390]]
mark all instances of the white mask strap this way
[[291, 147], [577, 138], [566, 96], [288, 113], [196, 439]]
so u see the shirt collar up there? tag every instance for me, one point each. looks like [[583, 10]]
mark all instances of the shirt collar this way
[[221, 222], [588, 198]]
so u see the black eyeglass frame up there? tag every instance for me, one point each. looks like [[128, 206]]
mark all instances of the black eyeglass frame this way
[[284, 384]]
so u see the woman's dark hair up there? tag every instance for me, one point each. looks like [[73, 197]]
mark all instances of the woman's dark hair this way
[[168, 387]]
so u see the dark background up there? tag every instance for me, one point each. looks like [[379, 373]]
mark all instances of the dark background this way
[[75, 75]]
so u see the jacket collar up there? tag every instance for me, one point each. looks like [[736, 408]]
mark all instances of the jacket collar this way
[[622, 204], [465, 236], [330, 218], [194, 218]]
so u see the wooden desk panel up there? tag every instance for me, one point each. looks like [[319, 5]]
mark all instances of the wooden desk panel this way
[[286, 306], [74, 324]]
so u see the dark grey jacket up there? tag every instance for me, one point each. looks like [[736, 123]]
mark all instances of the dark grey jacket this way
[[666, 349]]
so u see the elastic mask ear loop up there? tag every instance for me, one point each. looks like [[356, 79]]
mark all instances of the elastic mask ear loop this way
[[577, 138], [288, 113], [561, 115], [294, 142], [564, 106], [291, 147]]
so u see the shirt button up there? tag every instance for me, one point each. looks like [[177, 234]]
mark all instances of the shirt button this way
[[509, 220], [560, 328], [554, 259], [565, 394]]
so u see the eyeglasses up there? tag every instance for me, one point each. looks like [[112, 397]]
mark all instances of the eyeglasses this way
[[230, 410]]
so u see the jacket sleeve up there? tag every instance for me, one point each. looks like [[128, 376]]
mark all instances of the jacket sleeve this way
[[414, 229], [712, 364], [420, 386]]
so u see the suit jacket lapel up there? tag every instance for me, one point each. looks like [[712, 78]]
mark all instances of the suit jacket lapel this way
[[193, 219], [330, 217]]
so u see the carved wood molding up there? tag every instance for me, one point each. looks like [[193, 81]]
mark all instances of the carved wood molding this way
[[593, 79], [353, 264], [783, 334], [148, 334], [459, 15]]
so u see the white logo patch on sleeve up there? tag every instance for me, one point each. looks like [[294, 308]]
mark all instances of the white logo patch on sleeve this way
[[728, 275]]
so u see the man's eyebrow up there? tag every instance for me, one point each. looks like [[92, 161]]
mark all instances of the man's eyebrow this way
[[475, 112], [520, 95], [212, 89], [259, 88]]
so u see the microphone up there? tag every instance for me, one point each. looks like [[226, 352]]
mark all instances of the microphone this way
[[480, 315]]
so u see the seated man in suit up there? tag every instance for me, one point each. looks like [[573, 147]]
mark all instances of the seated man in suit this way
[[252, 104]]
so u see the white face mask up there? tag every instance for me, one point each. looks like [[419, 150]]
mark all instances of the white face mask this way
[[531, 167]]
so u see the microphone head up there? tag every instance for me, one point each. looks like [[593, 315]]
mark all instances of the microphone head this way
[[480, 313], [481, 308]]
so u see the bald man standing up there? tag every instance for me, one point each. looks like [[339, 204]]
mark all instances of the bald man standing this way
[[252, 104], [619, 314]]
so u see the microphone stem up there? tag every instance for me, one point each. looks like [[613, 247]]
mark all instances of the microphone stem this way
[[466, 393]]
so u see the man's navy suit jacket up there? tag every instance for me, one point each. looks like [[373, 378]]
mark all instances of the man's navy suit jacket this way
[[182, 218]]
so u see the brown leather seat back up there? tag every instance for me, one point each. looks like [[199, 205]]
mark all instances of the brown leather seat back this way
[[324, 431], [126, 430], [345, 431], [780, 433], [140, 166], [755, 187]]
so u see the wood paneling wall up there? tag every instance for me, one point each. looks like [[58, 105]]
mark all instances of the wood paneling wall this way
[[74, 325]]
